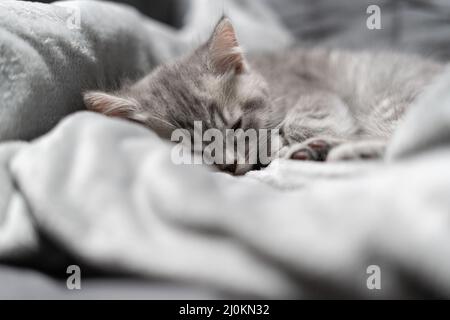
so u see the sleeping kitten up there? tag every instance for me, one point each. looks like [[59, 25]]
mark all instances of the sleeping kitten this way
[[329, 105]]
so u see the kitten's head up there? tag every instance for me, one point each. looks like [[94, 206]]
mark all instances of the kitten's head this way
[[213, 85]]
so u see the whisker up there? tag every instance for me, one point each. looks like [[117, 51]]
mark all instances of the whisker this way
[[162, 121]]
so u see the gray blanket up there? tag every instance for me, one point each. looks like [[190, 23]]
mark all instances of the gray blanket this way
[[103, 193]]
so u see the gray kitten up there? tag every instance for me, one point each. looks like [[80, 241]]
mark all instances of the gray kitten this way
[[329, 105]]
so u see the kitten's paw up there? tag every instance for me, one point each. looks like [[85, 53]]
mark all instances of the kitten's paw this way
[[333, 149], [314, 149], [358, 150]]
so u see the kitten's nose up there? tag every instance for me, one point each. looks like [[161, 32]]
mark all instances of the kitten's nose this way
[[231, 168]]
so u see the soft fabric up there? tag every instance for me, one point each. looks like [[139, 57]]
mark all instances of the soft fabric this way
[[420, 26], [49, 54]]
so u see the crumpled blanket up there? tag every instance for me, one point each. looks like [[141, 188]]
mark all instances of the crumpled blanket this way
[[419, 26], [103, 193]]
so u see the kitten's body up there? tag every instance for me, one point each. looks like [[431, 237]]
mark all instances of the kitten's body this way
[[341, 96], [329, 105]]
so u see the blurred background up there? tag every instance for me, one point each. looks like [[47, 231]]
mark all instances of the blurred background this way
[[421, 26]]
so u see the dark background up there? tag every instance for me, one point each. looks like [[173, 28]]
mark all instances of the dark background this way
[[162, 10]]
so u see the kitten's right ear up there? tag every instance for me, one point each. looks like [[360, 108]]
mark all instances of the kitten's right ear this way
[[224, 50], [111, 105]]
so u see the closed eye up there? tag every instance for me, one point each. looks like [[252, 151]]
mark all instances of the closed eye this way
[[237, 124], [254, 104]]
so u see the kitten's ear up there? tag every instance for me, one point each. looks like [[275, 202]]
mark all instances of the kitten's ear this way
[[225, 53], [111, 105]]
